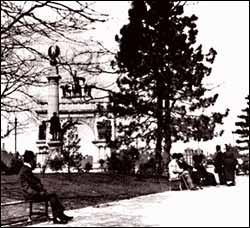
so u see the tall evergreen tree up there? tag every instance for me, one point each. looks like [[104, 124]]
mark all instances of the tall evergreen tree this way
[[71, 147], [162, 68], [243, 128]]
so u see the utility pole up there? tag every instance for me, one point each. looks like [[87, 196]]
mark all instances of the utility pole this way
[[15, 134]]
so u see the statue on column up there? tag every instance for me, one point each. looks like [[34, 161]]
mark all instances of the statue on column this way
[[42, 131], [77, 86], [55, 127], [66, 90], [54, 52]]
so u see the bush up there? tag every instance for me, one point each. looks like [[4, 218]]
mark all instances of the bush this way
[[4, 168], [114, 163], [11, 163], [123, 163], [88, 167], [75, 161], [15, 165], [101, 162], [56, 163], [148, 168]]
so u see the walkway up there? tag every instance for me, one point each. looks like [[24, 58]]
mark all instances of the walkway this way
[[219, 206]]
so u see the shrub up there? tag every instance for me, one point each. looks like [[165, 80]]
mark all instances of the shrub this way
[[4, 168], [88, 167], [148, 168], [114, 163], [15, 165], [101, 162], [56, 163], [124, 162]]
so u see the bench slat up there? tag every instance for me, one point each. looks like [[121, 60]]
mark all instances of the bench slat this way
[[12, 203]]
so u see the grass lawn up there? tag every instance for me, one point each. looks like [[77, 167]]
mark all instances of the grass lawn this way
[[82, 190]]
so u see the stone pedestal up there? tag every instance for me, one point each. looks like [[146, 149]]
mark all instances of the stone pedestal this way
[[103, 150]]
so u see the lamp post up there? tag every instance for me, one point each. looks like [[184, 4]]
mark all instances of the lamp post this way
[[15, 134]]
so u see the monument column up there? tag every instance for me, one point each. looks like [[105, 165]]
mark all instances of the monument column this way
[[53, 95], [49, 146], [55, 144]]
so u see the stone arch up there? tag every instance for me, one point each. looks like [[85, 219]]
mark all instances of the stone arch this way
[[87, 135]]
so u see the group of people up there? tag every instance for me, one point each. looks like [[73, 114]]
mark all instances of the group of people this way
[[225, 166], [194, 176]]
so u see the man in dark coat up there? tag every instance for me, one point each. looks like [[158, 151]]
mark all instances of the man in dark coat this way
[[32, 188], [219, 165], [206, 177]]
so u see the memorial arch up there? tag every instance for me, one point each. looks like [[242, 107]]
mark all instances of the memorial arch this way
[[86, 114]]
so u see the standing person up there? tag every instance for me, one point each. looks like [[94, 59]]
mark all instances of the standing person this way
[[219, 165], [33, 189], [55, 126], [230, 163]]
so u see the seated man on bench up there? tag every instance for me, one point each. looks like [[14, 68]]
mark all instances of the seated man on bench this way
[[176, 172], [33, 189]]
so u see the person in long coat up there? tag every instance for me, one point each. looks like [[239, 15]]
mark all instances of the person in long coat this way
[[230, 163], [219, 164]]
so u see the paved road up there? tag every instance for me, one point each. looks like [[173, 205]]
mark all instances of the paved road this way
[[219, 206]]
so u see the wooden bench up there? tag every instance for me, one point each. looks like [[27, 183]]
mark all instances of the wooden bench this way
[[31, 212], [179, 181], [176, 181]]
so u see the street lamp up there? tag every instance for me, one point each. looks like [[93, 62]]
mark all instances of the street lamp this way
[[15, 134]]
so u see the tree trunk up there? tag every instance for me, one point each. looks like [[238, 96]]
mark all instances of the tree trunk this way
[[68, 168], [159, 130], [167, 126]]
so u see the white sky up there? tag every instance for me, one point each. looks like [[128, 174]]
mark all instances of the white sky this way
[[223, 25]]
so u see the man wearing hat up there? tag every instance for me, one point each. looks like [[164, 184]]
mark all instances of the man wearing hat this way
[[32, 188]]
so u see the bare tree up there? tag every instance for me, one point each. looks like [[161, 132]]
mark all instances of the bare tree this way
[[26, 33]]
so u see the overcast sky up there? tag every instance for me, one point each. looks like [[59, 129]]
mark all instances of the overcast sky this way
[[223, 25]]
